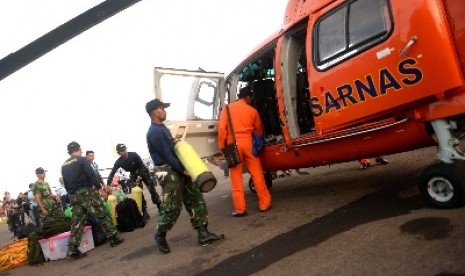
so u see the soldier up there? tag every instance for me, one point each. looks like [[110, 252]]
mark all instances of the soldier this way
[[178, 187], [132, 162], [47, 203], [83, 187]]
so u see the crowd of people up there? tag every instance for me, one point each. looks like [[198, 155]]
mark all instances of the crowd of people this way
[[83, 190]]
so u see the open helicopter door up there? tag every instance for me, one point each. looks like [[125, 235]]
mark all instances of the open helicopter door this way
[[195, 98]]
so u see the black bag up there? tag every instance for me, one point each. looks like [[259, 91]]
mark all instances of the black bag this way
[[128, 216], [25, 230], [97, 232], [230, 152], [231, 155], [98, 235]]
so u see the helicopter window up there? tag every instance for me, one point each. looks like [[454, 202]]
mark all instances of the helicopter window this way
[[200, 100], [259, 73], [331, 36], [259, 69], [350, 29], [205, 100]]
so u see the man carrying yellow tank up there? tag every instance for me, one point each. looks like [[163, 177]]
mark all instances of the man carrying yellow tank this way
[[178, 187]]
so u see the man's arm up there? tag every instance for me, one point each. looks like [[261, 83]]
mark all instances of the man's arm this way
[[40, 205], [90, 173], [113, 171], [164, 148], [258, 126], [139, 163], [100, 178]]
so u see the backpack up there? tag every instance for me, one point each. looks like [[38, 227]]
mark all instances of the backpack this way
[[25, 230], [128, 216], [98, 235]]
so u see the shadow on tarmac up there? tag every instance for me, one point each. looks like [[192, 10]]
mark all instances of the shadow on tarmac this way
[[379, 205]]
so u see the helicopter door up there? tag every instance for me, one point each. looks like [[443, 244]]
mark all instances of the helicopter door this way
[[375, 56], [195, 98]]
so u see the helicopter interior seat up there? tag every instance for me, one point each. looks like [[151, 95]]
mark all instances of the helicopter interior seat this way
[[267, 106], [304, 112]]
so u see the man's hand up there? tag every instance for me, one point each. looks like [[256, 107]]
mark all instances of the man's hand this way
[[43, 212]]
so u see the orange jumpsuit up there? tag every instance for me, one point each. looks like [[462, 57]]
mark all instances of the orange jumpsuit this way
[[245, 120]]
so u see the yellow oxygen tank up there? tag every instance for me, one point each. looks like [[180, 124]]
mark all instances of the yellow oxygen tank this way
[[137, 196], [112, 202], [194, 166]]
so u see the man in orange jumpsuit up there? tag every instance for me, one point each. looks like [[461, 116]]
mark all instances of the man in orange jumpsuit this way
[[245, 121]]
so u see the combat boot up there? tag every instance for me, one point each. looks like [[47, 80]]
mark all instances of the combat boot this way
[[145, 215], [115, 240], [155, 198], [74, 253], [160, 212], [162, 245], [205, 237]]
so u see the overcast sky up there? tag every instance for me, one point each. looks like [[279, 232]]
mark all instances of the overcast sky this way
[[93, 89]]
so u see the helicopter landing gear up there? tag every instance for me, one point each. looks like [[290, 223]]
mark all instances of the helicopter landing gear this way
[[268, 181], [443, 183]]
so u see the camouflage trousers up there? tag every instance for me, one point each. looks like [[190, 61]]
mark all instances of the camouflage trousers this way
[[177, 190], [88, 200], [147, 179]]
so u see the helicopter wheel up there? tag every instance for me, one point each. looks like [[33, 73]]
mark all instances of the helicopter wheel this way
[[268, 181], [443, 185]]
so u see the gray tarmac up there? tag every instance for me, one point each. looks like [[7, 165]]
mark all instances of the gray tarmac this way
[[337, 220]]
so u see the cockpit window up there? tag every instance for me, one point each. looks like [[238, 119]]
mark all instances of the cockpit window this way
[[349, 30]]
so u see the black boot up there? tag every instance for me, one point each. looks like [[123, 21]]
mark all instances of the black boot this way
[[162, 245], [115, 240], [74, 253], [155, 197], [160, 212], [205, 237], [145, 215]]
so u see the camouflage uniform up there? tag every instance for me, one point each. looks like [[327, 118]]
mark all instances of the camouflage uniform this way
[[177, 190], [51, 206], [83, 201]]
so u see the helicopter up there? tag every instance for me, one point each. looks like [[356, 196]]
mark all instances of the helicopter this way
[[343, 80], [340, 81]]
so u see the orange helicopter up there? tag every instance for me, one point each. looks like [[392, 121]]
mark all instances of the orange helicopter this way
[[344, 80]]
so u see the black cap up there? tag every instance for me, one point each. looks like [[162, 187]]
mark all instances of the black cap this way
[[120, 148], [73, 146], [40, 170], [154, 104], [245, 91]]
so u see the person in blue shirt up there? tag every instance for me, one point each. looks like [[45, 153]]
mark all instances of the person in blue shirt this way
[[178, 187], [34, 211]]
